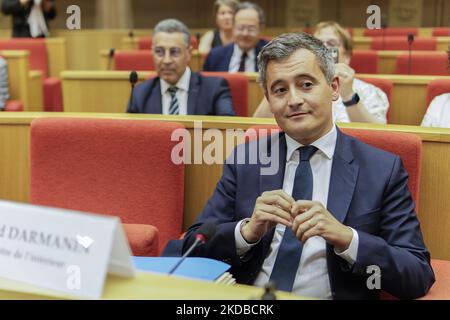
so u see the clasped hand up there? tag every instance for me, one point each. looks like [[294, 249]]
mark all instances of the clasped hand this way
[[304, 217]]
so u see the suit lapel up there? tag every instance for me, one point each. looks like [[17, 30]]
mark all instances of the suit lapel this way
[[154, 103], [344, 174], [194, 87]]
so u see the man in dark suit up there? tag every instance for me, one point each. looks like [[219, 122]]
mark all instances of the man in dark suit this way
[[241, 55], [335, 215], [29, 17], [176, 90]]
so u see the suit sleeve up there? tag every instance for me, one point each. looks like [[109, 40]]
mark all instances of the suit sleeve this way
[[207, 66], [223, 105], [219, 210], [12, 7], [398, 250]]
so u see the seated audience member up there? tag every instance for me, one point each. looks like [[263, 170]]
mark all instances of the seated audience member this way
[[438, 113], [328, 207], [359, 101], [176, 90], [4, 89], [240, 55], [29, 17], [224, 12]]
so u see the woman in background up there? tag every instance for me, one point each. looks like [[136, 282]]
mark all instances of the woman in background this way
[[29, 17], [224, 11]]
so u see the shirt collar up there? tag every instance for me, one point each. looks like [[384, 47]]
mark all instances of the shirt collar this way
[[182, 84], [325, 144], [238, 51]]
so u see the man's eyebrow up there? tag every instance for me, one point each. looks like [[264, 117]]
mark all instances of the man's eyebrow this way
[[302, 75]]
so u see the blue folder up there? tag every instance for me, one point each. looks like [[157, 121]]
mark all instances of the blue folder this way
[[197, 268]]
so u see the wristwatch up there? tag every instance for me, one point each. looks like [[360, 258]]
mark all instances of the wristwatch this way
[[354, 100]]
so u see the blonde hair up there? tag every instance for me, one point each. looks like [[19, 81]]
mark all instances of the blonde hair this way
[[346, 39]]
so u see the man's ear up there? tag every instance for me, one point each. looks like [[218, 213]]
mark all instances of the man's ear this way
[[335, 88]]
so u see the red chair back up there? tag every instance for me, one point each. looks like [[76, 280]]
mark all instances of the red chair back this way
[[238, 84], [145, 43], [441, 32], [401, 43], [390, 32], [113, 167], [364, 61], [436, 88], [424, 63], [139, 60], [406, 145], [37, 48], [385, 85]]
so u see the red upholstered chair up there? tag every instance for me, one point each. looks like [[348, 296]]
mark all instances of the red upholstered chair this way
[[13, 106], [145, 43], [441, 32], [409, 148], [386, 85], [390, 32], [113, 167], [239, 90], [364, 61], [39, 61], [401, 43], [423, 63], [139, 60], [436, 88]]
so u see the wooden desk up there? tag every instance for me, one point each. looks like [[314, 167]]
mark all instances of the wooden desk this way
[[365, 42], [57, 56], [24, 85], [108, 91], [200, 179], [151, 286]]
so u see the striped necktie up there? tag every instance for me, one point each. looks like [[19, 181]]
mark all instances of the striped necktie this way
[[290, 250], [174, 104]]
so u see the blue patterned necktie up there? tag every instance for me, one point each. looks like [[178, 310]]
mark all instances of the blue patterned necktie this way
[[174, 105], [290, 250]]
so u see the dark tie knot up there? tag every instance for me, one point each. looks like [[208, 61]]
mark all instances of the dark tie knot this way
[[244, 55], [306, 152], [172, 90]]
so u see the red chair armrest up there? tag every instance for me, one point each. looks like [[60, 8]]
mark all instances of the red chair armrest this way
[[143, 239]]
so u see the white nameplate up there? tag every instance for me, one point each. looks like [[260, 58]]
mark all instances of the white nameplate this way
[[62, 250]]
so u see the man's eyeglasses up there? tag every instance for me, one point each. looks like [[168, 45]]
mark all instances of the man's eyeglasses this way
[[250, 29], [173, 52]]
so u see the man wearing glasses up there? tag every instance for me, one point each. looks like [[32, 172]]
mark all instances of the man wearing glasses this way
[[176, 90], [240, 56]]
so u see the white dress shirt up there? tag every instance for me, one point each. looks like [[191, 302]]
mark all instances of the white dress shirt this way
[[438, 113], [373, 98], [312, 278], [4, 87], [235, 61], [182, 93]]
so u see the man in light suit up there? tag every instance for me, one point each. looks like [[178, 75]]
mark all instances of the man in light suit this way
[[335, 211], [241, 55], [177, 90]]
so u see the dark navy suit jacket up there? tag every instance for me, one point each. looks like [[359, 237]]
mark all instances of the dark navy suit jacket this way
[[206, 96], [368, 192], [219, 58]]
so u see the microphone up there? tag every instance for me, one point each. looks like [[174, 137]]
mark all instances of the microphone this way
[[110, 57], [410, 42], [133, 80], [203, 234], [130, 34]]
